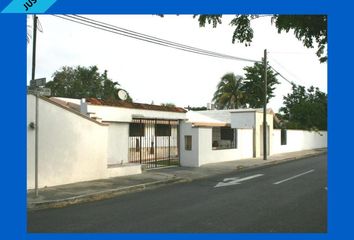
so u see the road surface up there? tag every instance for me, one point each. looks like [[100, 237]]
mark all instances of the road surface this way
[[288, 197]]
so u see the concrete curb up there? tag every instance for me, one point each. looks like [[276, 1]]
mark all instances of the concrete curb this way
[[106, 194], [276, 162], [255, 166]]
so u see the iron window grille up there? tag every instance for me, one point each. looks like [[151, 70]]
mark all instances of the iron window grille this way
[[224, 138], [163, 130], [136, 129]]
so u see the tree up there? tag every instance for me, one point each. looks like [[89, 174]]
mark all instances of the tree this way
[[189, 108], [307, 28], [83, 82], [305, 109], [254, 85], [168, 104], [229, 94]]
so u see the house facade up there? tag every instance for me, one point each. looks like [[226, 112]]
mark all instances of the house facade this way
[[138, 133], [224, 134], [87, 139]]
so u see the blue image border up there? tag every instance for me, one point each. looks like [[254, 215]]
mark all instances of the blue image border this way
[[13, 76]]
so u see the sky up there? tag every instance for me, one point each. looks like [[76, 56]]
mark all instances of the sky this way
[[157, 74]]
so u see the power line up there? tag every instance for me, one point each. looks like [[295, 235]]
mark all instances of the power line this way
[[138, 38], [290, 82], [155, 40], [147, 38], [282, 66], [160, 39]]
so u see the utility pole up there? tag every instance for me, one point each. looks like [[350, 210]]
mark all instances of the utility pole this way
[[36, 118], [265, 108]]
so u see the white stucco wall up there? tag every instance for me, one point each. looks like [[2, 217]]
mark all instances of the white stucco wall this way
[[30, 142], [243, 120], [202, 152], [189, 158], [208, 155], [117, 151], [73, 148], [298, 140]]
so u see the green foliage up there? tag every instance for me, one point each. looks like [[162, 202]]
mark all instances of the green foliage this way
[[307, 28], [243, 31], [236, 91], [168, 105], [254, 86], [305, 109], [197, 108], [204, 19], [83, 82], [229, 93]]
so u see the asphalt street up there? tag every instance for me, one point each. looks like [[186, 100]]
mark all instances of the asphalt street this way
[[288, 197]]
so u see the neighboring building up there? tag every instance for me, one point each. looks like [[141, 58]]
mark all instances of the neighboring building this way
[[138, 133], [87, 139], [224, 134]]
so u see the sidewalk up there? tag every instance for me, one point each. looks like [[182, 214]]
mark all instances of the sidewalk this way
[[60, 196]]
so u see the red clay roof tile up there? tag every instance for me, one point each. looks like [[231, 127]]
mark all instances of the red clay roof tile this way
[[124, 104]]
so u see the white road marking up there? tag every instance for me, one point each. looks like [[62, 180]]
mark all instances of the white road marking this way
[[235, 180], [294, 176], [230, 179]]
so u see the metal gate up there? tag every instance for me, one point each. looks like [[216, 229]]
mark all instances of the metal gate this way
[[154, 142]]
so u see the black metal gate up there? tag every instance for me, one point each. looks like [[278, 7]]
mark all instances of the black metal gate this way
[[154, 142]]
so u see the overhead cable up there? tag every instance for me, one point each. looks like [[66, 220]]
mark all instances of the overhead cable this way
[[155, 40], [290, 82], [147, 38]]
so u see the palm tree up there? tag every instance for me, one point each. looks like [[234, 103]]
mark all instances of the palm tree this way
[[229, 94]]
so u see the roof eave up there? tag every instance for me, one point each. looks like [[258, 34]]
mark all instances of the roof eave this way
[[209, 124]]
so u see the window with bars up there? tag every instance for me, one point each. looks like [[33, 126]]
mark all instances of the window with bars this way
[[136, 129], [162, 130], [224, 138]]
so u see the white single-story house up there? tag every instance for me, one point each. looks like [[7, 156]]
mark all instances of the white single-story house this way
[[224, 134], [87, 139]]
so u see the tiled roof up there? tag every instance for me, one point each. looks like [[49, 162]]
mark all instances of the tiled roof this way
[[124, 104]]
